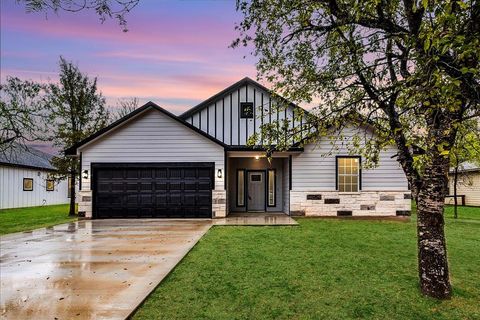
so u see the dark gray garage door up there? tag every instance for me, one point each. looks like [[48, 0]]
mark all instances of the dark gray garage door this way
[[153, 190]]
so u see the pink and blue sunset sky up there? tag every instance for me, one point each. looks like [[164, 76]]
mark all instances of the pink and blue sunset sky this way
[[175, 53]]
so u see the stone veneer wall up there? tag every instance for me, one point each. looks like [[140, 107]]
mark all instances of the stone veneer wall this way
[[84, 199], [219, 203], [364, 203]]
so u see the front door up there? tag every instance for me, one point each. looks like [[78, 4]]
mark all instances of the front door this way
[[256, 191]]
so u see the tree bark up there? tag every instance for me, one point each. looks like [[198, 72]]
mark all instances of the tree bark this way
[[455, 180], [432, 252], [72, 194]]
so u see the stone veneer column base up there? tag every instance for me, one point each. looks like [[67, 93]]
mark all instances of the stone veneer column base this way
[[219, 203], [364, 203], [84, 200]]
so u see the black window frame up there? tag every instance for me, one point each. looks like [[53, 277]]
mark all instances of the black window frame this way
[[244, 112], [46, 185], [359, 172], [23, 182]]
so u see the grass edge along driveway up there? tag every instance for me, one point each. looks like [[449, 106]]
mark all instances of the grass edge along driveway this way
[[26, 219], [322, 269]]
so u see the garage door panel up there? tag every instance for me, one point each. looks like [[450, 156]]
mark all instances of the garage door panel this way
[[146, 187], [175, 173], [189, 200], [175, 186], [117, 174], [131, 191], [131, 186], [204, 185], [146, 199], [203, 200], [190, 186]]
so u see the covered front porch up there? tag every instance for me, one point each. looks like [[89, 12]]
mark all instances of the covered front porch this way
[[257, 185]]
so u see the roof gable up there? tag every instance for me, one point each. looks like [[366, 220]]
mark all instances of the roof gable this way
[[228, 90], [148, 106]]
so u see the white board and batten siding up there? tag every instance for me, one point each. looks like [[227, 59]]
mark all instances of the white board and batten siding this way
[[221, 118], [12, 194], [152, 137], [315, 168]]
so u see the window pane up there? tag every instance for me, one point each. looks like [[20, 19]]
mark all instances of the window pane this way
[[240, 188], [271, 188], [348, 174], [355, 187]]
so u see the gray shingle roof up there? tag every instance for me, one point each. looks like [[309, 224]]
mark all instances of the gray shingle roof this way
[[26, 156], [466, 166]]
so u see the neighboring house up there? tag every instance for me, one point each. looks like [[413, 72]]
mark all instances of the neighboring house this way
[[152, 163], [468, 184], [26, 179]]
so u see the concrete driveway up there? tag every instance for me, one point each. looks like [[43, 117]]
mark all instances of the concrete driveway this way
[[101, 269]]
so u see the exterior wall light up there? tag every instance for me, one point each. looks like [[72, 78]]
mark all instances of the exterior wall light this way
[[219, 173], [85, 174]]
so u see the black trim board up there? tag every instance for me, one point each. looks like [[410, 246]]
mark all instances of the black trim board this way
[[259, 148], [81, 174], [290, 158], [149, 105], [225, 169]]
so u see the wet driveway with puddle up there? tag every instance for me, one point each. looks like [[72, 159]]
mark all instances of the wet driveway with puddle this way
[[99, 269]]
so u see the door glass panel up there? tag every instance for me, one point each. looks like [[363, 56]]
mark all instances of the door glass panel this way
[[240, 188], [256, 177], [271, 188]]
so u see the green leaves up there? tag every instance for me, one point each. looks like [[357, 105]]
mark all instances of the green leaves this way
[[405, 72], [77, 110]]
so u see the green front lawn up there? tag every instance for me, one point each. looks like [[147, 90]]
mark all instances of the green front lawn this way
[[23, 219], [322, 269]]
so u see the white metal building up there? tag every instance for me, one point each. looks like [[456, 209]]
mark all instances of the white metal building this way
[[26, 179]]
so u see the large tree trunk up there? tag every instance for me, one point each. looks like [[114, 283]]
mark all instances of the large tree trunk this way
[[455, 181], [72, 194], [432, 252]]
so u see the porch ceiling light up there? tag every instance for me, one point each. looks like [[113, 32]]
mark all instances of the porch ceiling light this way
[[257, 157], [219, 173]]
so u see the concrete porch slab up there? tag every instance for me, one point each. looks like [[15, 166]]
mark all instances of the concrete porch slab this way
[[256, 219]]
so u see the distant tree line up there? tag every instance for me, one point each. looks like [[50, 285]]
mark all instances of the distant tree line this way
[[63, 113]]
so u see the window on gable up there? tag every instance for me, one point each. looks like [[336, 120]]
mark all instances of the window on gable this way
[[348, 174], [246, 110]]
